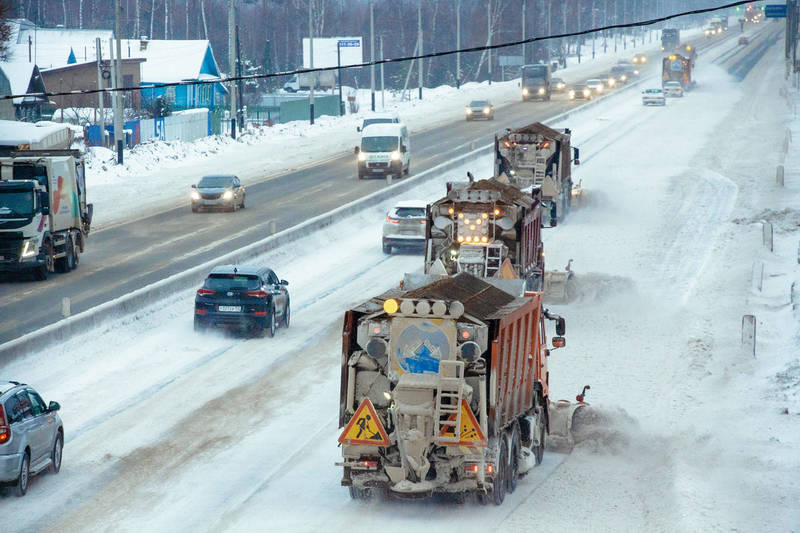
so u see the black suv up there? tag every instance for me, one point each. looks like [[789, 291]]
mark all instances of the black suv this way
[[244, 297]]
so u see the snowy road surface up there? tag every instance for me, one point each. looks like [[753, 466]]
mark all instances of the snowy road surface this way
[[170, 430]]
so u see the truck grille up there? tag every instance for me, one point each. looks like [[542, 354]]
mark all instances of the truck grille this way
[[378, 165], [10, 249]]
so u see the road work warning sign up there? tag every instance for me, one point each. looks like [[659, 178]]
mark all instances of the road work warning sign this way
[[471, 434], [365, 427]]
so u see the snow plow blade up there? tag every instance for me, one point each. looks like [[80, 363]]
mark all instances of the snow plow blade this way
[[564, 421], [579, 196], [556, 284]]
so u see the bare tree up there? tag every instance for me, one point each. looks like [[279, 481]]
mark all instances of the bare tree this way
[[5, 30], [136, 33], [203, 13], [166, 19], [152, 14], [80, 14]]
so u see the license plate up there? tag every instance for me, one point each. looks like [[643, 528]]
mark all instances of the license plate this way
[[377, 169], [230, 308]]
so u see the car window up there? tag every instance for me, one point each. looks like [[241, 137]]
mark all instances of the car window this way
[[224, 282], [478, 103], [409, 212], [13, 409], [379, 144], [215, 181], [24, 405], [37, 404], [272, 278], [368, 121]]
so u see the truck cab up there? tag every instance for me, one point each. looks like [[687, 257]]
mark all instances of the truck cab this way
[[536, 82]]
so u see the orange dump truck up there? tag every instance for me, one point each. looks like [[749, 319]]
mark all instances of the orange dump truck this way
[[444, 390]]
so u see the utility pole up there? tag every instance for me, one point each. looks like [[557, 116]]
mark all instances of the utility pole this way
[[101, 121], [239, 84], [524, 9], [232, 63], [311, 61], [458, 44], [119, 124], [549, 28], [419, 40], [578, 41], [383, 103], [593, 26], [616, 5], [489, 37], [372, 51]]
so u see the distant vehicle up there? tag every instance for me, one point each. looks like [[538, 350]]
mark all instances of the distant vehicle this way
[[675, 67], [242, 297], [609, 81], [631, 70], [596, 85], [558, 85], [304, 80], [31, 435], [378, 118], [653, 97], [536, 82], [715, 28], [639, 59], [620, 74], [218, 192], [744, 40], [673, 88], [385, 150], [480, 110], [580, 92], [404, 226], [670, 39]]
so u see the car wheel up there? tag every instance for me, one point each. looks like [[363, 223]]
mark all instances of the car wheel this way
[[24, 476], [55, 456], [195, 209], [287, 315], [387, 248], [272, 325], [199, 325], [408, 168], [242, 206], [360, 176]]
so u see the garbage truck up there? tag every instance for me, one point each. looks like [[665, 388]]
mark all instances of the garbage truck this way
[[539, 156], [44, 216], [445, 390]]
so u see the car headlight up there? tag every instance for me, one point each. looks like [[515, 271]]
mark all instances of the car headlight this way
[[469, 111], [572, 94], [623, 77], [525, 91], [541, 90], [636, 72], [644, 60], [586, 92], [486, 110], [29, 248], [362, 156], [195, 195], [395, 156], [227, 195]]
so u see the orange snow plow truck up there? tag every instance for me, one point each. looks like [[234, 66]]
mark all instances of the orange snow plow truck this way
[[444, 390]]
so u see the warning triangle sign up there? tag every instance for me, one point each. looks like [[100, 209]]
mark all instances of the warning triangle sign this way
[[365, 427], [471, 434]]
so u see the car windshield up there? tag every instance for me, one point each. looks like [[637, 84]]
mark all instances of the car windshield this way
[[226, 282], [16, 204], [538, 72], [409, 212], [378, 144], [215, 181], [478, 103], [653, 91], [368, 121]]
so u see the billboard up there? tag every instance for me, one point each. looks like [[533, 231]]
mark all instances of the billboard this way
[[325, 51]]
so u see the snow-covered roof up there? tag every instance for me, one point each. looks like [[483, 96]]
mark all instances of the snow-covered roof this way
[[382, 130], [19, 76], [171, 61], [39, 136]]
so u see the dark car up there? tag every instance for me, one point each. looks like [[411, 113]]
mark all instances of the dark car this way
[[558, 85], [480, 109], [242, 297], [31, 435], [580, 92], [218, 192]]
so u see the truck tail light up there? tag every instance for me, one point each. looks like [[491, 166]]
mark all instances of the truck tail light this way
[[205, 292], [471, 469], [256, 294], [369, 464], [5, 429]]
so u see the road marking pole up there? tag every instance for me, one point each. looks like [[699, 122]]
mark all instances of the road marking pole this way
[[749, 333], [65, 307]]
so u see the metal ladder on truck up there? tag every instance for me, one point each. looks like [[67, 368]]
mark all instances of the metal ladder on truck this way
[[449, 392], [494, 259]]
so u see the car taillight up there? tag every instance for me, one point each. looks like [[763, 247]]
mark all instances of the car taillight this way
[[256, 294], [422, 222], [5, 429], [205, 292], [392, 220]]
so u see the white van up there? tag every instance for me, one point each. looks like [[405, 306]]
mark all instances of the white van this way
[[384, 150]]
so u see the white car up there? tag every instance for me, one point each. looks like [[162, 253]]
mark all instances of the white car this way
[[596, 86], [404, 226], [673, 88], [653, 97]]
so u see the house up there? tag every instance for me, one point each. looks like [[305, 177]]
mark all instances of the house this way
[[6, 106], [24, 78], [177, 61]]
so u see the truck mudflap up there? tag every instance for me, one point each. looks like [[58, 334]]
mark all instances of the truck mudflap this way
[[564, 422]]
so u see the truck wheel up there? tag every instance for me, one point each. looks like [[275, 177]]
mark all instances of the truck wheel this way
[[195, 209], [513, 470], [21, 487], [500, 477], [359, 494], [538, 451], [41, 273], [66, 263]]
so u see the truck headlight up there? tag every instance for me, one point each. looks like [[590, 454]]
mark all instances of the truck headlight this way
[[469, 111], [395, 156], [541, 90], [227, 195], [195, 195], [362, 156], [29, 248], [525, 91], [485, 110]]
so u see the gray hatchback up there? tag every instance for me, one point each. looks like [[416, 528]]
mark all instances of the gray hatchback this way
[[31, 435]]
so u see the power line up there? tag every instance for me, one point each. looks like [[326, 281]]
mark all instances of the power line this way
[[390, 60]]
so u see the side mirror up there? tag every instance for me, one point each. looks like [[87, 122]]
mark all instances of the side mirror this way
[[54, 406], [356, 150], [194, 186], [559, 342], [45, 210], [576, 156], [553, 214], [561, 326], [358, 128], [519, 84], [284, 282], [402, 148]]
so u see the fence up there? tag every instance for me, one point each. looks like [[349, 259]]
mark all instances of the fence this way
[[181, 125]]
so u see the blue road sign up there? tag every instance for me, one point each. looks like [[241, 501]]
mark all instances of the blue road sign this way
[[349, 43], [775, 11]]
